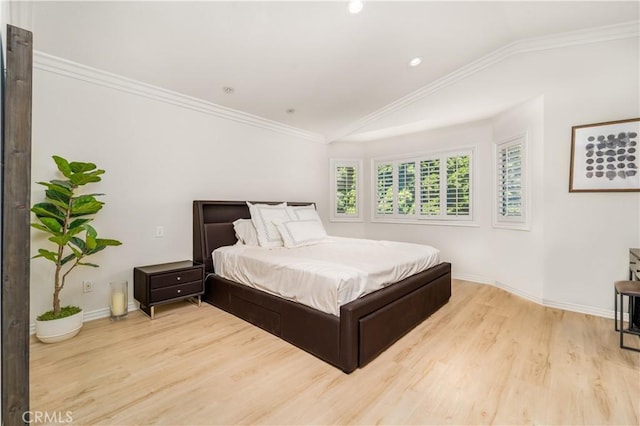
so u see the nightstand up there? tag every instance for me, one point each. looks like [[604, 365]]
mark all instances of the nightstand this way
[[167, 282]]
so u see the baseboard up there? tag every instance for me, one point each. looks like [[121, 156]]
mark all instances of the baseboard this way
[[518, 292], [90, 316], [473, 278], [581, 309], [572, 307]]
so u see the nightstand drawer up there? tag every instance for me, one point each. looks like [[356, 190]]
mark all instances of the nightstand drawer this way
[[182, 290], [174, 278]]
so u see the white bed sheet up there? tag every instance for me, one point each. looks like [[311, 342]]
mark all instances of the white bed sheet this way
[[326, 275]]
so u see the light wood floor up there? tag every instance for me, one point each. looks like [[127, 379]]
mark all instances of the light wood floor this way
[[487, 357]]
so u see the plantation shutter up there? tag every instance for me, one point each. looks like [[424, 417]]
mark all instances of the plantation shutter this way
[[407, 188], [430, 187], [457, 189], [384, 190], [346, 178], [346, 186], [510, 193], [510, 181]]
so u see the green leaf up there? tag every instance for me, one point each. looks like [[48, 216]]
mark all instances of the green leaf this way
[[78, 167], [60, 240], [63, 166], [89, 264], [78, 243], [68, 258], [74, 231], [52, 224], [63, 183], [75, 251], [42, 228], [62, 186], [80, 199], [95, 250], [53, 194], [62, 207], [47, 210], [107, 242], [49, 255], [80, 179], [91, 232], [92, 195], [90, 242], [78, 222], [85, 205]]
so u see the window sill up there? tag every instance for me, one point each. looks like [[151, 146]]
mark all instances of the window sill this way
[[346, 219], [513, 226], [467, 224]]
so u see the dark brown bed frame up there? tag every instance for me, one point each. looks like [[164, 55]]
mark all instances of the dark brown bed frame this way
[[366, 326]]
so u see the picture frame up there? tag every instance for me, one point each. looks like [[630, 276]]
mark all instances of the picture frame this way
[[605, 157]]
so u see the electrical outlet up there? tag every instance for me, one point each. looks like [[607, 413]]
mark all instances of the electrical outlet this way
[[159, 231], [87, 286]]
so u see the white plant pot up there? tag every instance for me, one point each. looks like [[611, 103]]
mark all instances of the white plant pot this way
[[60, 329]]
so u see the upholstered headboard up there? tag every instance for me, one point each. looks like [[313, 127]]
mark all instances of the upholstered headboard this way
[[213, 226]]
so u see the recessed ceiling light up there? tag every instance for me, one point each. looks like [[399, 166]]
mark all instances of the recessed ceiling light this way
[[355, 6], [228, 90], [291, 110], [415, 61]]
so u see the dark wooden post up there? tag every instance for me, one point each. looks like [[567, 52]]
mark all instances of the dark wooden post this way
[[16, 200]]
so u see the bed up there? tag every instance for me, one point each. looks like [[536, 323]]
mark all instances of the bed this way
[[364, 328]]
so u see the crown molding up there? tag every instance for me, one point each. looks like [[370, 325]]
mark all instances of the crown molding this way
[[50, 63], [594, 35], [56, 65]]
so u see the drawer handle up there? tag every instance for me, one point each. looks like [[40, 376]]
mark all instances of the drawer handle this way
[[179, 291], [178, 278]]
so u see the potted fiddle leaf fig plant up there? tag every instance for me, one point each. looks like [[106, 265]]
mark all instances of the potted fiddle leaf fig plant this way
[[65, 215]]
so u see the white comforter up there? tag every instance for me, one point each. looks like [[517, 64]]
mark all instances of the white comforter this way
[[326, 275]]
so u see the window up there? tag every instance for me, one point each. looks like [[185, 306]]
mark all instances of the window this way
[[384, 195], [406, 188], [510, 183], [431, 187], [345, 188], [458, 185]]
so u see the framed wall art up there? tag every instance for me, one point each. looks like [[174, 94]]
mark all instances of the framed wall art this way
[[604, 157]]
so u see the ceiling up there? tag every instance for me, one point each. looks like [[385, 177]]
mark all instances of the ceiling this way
[[330, 66]]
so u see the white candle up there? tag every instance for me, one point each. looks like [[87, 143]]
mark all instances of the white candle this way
[[117, 304]]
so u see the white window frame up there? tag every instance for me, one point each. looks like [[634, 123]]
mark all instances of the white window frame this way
[[345, 217], [521, 223], [417, 218]]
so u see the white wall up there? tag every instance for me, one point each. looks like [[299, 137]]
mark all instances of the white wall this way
[[158, 158], [518, 256], [587, 235], [578, 242]]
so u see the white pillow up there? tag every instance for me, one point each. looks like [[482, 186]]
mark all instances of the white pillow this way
[[246, 232], [307, 212], [298, 233], [263, 216]]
